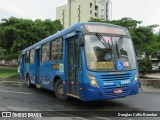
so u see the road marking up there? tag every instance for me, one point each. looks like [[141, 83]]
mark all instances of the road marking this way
[[14, 92], [127, 119], [81, 118], [103, 118], [11, 82]]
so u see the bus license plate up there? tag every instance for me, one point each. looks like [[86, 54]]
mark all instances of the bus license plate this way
[[118, 91]]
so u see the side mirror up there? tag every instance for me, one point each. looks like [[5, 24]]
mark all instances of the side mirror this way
[[136, 58]]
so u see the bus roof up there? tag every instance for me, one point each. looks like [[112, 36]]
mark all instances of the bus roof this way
[[75, 27]]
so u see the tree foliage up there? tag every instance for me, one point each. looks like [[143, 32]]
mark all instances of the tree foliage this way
[[146, 42], [17, 34]]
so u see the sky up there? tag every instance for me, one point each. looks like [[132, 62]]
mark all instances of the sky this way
[[147, 11]]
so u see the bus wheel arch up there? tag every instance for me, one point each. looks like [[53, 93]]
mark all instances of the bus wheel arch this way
[[59, 89], [56, 78]]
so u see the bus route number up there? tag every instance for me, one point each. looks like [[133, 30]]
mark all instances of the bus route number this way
[[124, 82]]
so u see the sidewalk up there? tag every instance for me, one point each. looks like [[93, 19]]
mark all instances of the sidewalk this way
[[149, 89], [150, 82]]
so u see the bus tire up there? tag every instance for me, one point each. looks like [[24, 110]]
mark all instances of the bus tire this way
[[29, 85], [59, 90]]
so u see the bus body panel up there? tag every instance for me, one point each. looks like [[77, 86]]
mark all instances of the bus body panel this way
[[91, 93], [48, 74], [107, 92], [45, 73]]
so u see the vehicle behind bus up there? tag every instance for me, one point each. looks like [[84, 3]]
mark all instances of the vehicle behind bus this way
[[88, 61]]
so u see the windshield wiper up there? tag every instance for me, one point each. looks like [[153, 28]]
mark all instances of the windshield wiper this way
[[117, 49], [102, 40], [120, 42]]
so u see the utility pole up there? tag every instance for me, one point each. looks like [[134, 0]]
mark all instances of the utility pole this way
[[110, 9], [69, 12]]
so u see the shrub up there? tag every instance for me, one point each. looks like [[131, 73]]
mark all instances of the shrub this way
[[145, 65]]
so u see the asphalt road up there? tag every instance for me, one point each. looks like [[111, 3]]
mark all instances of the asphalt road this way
[[15, 96]]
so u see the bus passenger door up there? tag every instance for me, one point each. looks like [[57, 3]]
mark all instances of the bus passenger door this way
[[37, 65], [72, 52]]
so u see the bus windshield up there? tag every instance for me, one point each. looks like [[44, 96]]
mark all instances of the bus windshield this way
[[101, 58]]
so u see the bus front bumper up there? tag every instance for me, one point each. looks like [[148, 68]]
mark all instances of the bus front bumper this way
[[91, 93]]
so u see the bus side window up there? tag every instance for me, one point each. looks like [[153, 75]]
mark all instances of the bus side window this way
[[45, 52], [57, 49], [32, 56], [27, 58]]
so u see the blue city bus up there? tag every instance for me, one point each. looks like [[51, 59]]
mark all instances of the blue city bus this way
[[89, 61]]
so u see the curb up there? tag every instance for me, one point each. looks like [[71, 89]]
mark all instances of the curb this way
[[149, 89], [14, 77], [150, 82]]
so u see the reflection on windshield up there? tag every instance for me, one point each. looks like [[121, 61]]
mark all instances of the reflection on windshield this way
[[106, 42], [100, 58]]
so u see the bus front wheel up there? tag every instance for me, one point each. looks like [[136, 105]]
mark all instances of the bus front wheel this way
[[29, 85], [59, 90]]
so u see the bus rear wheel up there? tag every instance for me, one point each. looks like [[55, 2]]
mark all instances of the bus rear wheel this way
[[59, 90]]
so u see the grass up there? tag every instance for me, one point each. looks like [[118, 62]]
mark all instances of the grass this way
[[5, 73]]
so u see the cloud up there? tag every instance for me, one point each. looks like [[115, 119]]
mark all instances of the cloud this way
[[142, 10], [6, 13], [30, 9]]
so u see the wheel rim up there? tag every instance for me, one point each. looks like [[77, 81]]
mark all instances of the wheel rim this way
[[60, 90]]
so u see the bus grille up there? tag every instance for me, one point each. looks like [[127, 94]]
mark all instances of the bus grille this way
[[114, 77]]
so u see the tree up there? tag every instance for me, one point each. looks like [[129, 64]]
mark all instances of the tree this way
[[156, 53], [17, 34], [146, 42], [129, 23]]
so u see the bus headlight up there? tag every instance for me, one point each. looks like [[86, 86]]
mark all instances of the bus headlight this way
[[136, 77], [93, 81]]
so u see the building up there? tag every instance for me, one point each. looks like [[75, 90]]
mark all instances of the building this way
[[82, 11], [105, 9]]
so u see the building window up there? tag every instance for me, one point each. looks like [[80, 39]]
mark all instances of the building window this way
[[32, 56], [57, 49], [63, 17], [96, 8], [79, 18], [45, 52], [96, 15], [91, 5], [91, 12]]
